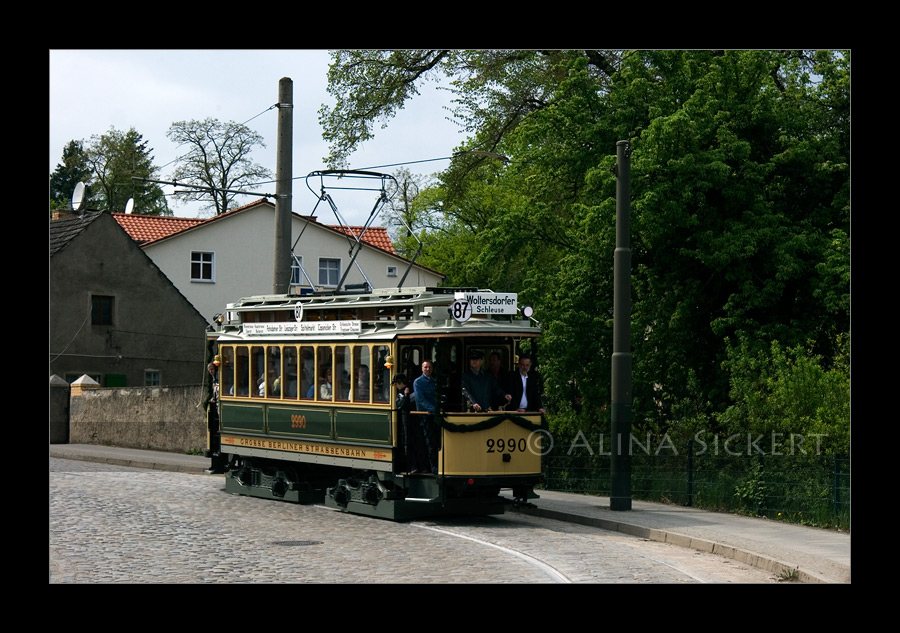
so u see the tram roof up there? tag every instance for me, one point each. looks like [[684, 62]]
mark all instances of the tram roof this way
[[426, 312], [378, 296]]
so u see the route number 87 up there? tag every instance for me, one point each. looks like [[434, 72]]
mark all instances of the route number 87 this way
[[461, 310]]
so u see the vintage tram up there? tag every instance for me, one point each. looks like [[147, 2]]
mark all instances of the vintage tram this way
[[278, 433]]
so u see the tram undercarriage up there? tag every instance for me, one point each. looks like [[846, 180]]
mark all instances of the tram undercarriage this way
[[393, 496]]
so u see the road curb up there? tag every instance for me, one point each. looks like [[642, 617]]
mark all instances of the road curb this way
[[777, 567]]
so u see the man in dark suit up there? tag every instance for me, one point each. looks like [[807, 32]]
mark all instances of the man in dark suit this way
[[524, 387]]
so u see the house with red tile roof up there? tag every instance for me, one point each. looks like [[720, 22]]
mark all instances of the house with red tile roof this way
[[216, 261]]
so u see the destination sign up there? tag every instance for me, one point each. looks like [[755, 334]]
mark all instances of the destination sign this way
[[287, 328], [490, 302]]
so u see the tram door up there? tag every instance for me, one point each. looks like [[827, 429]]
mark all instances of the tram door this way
[[449, 364], [411, 357], [447, 354]]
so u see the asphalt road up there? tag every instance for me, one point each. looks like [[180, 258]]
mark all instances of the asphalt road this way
[[113, 524]]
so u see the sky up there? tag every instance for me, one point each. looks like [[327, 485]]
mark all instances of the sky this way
[[92, 91]]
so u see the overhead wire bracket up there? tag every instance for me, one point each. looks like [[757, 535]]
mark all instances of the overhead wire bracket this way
[[355, 240]]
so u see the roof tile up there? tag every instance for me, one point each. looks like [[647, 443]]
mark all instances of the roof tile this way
[[144, 229], [376, 236], [149, 228]]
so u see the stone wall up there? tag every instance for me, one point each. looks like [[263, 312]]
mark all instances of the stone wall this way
[[169, 419]]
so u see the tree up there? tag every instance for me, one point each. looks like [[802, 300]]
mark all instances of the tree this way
[[740, 202], [119, 163], [495, 89], [217, 159], [406, 211], [72, 170]]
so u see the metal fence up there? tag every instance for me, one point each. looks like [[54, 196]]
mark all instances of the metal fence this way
[[808, 489]]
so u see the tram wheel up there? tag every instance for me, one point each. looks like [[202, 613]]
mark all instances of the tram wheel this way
[[341, 495]]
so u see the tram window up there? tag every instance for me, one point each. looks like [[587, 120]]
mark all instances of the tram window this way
[[226, 371], [258, 371], [411, 363], [324, 377], [342, 378], [381, 375], [288, 386], [272, 384], [362, 376], [497, 362], [307, 372], [242, 372]]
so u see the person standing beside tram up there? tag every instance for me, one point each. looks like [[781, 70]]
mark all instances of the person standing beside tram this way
[[426, 400], [403, 404]]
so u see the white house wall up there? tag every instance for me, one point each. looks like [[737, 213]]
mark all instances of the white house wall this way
[[243, 251]]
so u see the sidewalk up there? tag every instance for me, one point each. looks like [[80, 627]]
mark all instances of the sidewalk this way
[[817, 555]]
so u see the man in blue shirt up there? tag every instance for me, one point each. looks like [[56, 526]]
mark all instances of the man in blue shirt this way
[[426, 400]]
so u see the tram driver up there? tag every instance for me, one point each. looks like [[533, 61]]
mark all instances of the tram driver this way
[[480, 387]]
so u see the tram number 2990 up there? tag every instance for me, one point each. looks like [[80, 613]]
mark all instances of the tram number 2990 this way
[[506, 446]]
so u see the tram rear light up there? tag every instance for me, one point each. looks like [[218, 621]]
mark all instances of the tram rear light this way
[[470, 481]]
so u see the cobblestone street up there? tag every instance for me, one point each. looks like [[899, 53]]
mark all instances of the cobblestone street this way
[[112, 524]]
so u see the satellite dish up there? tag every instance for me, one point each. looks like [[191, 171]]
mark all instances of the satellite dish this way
[[129, 206], [78, 196]]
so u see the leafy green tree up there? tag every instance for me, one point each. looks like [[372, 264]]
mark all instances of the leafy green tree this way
[[68, 173], [792, 395], [736, 196], [120, 163], [740, 202], [217, 159], [494, 89]]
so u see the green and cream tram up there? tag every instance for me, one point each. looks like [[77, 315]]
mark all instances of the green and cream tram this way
[[306, 406]]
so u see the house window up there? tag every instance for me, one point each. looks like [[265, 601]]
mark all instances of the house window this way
[[202, 266], [391, 271], [329, 271], [114, 380], [296, 275], [101, 310], [152, 377]]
